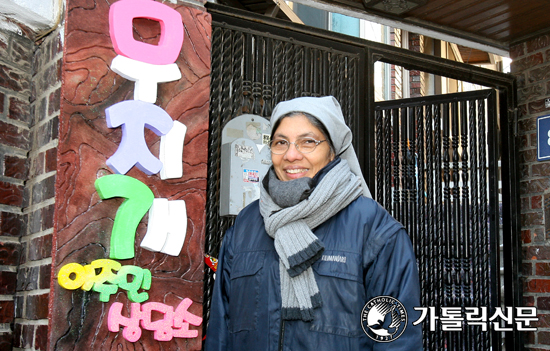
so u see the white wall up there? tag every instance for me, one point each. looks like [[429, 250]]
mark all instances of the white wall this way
[[38, 15]]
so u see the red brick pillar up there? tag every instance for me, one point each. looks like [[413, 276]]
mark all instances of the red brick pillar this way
[[83, 222], [30, 75], [34, 273], [15, 143], [416, 43], [396, 71], [531, 64]]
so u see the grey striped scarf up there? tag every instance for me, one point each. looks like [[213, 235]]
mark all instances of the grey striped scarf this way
[[298, 248]]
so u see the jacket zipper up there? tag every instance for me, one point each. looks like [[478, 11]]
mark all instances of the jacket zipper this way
[[281, 334]]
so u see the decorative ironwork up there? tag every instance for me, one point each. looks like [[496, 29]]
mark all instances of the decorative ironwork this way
[[279, 70], [248, 74], [441, 176], [380, 152], [238, 42], [387, 140], [437, 235]]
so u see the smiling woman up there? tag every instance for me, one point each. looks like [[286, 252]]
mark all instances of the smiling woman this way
[[309, 154], [299, 265]]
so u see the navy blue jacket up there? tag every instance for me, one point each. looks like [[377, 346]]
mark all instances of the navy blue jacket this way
[[367, 254]]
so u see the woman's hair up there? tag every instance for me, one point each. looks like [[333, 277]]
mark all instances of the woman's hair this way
[[313, 120]]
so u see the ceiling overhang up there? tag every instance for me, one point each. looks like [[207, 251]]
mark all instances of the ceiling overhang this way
[[396, 7], [429, 29]]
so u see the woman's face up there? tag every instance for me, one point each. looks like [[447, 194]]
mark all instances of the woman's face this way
[[293, 164]]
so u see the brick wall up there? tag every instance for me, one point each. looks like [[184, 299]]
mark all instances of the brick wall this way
[[15, 140], [531, 66], [396, 71], [29, 109], [417, 84], [416, 78]]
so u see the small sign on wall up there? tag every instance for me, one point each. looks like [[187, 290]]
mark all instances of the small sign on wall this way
[[543, 138]]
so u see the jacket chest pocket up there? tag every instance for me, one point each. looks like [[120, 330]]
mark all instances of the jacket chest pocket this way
[[246, 275], [340, 280]]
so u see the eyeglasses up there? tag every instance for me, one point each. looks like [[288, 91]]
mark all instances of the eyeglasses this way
[[303, 145]]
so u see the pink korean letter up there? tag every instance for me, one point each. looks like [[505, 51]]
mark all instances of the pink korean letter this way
[[121, 16]]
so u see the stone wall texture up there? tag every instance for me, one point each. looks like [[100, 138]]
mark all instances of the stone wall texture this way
[[29, 109], [531, 67]]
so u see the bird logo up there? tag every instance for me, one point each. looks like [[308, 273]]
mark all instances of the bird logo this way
[[384, 318]]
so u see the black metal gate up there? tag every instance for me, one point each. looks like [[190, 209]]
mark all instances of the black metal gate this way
[[435, 165], [432, 162]]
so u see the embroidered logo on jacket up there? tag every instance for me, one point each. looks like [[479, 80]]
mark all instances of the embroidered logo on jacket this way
[[334, 258]]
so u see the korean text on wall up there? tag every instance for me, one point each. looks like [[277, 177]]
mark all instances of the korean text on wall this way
[[147, 65]]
